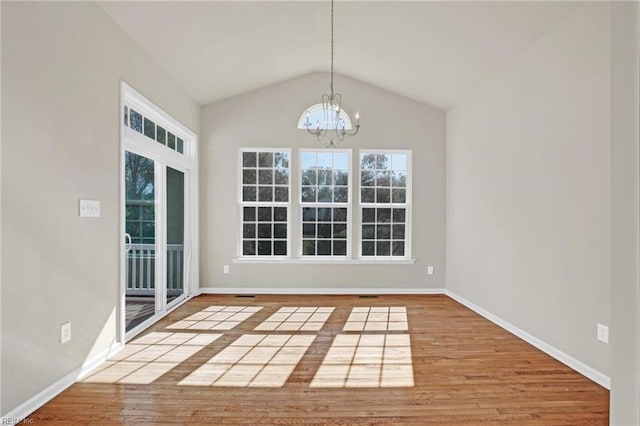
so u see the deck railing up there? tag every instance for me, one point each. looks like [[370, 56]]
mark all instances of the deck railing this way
[[141, 264]]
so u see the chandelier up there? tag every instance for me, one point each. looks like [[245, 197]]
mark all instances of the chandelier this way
[[333, 129]]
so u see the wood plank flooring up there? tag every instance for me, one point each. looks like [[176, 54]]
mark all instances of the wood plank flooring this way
[[466, 371]]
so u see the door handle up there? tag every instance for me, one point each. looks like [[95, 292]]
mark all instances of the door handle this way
[[127, 246]]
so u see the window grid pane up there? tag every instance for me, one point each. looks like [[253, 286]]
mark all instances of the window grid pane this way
[[383, 196], [325, 177], [265, 177], [324, 195], [264, 198], [324, 231], [384, 231], [142, 124]]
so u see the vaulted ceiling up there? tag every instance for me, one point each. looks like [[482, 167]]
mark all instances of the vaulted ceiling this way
[[433, 52]]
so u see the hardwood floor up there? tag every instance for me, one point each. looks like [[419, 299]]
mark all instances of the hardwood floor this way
[[466, 371]]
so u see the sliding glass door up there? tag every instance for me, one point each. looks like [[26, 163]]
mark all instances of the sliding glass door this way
[[141, 244], [175, 234], [156, 256]]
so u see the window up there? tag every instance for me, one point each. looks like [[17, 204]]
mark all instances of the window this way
[[264, 199], [385, 204], [317, 116], [323, 205], [325, 201], [144, 125]]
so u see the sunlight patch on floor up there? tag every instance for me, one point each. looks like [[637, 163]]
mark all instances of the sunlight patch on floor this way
[[381, 318], [253, 360], [296, 318], [216, 318], [368, 360], [145, 359]]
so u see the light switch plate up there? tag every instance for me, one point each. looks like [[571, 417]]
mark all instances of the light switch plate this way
[[65, 332], [89, 208], [603, 333], [430, 270]]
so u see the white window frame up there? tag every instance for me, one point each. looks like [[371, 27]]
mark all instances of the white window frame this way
[[242, 204], [132, 99], [407, 205], [354, 212], [348, 205]]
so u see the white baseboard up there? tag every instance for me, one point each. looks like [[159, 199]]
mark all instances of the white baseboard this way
[[319, 291], [94, 362], [26, 408], [582, 368]]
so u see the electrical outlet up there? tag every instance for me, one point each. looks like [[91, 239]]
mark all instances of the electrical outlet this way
[[89, 208], [603, 333], [65, 332], [429, 270], [226, 269]]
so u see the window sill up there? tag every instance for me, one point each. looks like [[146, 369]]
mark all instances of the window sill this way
[[325, 261]]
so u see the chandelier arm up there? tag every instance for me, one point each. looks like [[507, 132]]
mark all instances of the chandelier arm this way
[[354, 132]]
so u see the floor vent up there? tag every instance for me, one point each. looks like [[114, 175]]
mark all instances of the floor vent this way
[[368, 296], [245, 295]]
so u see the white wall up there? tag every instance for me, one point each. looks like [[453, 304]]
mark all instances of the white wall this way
[[625, 229], [528, 189], [62, 65], [267, 118]]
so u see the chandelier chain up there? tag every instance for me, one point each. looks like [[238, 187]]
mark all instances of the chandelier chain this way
[[331, 49]]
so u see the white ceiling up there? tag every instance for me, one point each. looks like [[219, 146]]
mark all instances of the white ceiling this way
[[432, 52]]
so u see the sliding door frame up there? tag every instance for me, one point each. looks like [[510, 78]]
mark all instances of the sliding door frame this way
[[163, 157]]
